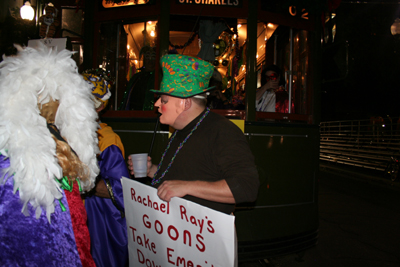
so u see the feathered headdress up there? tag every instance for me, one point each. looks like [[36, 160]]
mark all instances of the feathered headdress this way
[[34, 76]]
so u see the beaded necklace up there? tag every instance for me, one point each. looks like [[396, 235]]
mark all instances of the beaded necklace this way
[[156, 181]]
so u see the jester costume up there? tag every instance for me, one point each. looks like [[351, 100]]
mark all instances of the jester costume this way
[[48, 150], [106, 218]]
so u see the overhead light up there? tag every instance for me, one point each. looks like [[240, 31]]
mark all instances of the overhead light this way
[[27, 11], [395, 28]]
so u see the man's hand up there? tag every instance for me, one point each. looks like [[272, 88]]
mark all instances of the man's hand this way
[[270, 85], [172, 188], [273, 85], [218, 191], [151, 169]]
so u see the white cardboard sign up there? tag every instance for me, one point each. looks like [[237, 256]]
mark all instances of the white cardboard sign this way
[[175, 233]]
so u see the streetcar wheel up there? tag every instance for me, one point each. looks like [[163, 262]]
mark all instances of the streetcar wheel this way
[[392, 170], [394, 175], [388, 170]]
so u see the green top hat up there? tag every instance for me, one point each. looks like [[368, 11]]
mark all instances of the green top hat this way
[[184, 76]]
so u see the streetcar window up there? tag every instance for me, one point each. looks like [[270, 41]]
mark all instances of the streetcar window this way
[[127, 51], [222, 42], [72, 27], [287, 48], [140, 66]]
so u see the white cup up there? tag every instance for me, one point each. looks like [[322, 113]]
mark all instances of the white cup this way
[[139, 162]]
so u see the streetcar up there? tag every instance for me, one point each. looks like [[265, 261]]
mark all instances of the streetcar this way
[[254, 34]]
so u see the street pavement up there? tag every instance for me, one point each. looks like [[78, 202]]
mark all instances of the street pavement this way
[[359, 216]]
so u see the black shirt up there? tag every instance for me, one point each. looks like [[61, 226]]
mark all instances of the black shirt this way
[[216, 150]]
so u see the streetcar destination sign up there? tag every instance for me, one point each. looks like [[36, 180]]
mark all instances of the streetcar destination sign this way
[[225, 3]]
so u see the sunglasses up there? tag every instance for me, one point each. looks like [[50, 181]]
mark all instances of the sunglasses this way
[[272, 77]]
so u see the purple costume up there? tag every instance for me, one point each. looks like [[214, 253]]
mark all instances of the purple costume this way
[[106, 223], [27, 241]]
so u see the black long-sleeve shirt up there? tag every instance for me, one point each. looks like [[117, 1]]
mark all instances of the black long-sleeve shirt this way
[[216, 150]]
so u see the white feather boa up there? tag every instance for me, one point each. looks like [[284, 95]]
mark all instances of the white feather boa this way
[[34, 74]]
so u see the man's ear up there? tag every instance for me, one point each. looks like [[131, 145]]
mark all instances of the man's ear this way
[[188, 103]]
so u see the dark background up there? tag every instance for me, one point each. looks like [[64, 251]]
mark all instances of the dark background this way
[[361, 67]]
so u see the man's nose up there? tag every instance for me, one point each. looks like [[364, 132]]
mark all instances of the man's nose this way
[[158, 102]]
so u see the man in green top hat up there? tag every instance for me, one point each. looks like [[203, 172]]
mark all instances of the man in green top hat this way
[[208, 160]]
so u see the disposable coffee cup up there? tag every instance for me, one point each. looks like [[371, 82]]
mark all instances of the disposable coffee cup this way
[[139, 162]]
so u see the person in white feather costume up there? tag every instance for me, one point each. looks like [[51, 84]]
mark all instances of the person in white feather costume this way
[[48, 147]]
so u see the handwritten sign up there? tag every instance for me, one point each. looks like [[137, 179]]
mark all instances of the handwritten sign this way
[[175, 233]]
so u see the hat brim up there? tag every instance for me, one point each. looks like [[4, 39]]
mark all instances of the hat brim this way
[[180, 95]]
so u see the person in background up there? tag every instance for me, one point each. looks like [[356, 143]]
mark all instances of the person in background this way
[[105, 203], [217, 99], [272, 96], [239, 99]]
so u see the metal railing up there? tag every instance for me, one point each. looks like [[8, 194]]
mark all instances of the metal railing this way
[[367, 144]]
